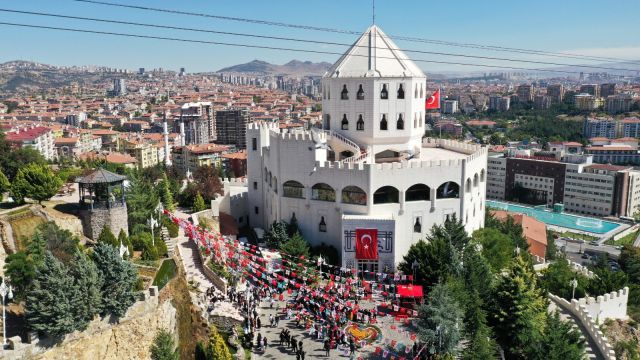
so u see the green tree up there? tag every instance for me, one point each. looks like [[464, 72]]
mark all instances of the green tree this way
[[277, 234], [440, 321], [198, 204], [165, 194], [217, 349], [557, 277], [5, 185], [436, 259], [48, 307], [60, 242], [37, 248], [518, 310], [497, 247], [12, 160], [84, 295], [481, 346], [163, 347], [561, 341], [107, 237], [36, 182], [142, 200], [606, 280], [551, 252], [21, 271], [297, 246], [118, 277], [124, 240]]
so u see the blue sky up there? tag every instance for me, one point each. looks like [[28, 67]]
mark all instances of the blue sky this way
[[602, 28]]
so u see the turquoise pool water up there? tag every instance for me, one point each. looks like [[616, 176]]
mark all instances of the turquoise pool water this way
[[550, 218]]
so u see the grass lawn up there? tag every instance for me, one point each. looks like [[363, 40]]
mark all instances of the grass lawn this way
[[578, 236], [625, 240]]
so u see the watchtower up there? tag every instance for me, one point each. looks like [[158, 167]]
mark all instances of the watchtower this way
[[102, 202]]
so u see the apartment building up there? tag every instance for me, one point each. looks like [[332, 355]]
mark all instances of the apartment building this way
[[587, 102], [541, 102], [615, 104], [197, 125], [231, 127], [607, 90], [591, 89], [144, 152], [188, 158], [36, 137], [600, 127], [499, 103], [525, 92], [556, 93]]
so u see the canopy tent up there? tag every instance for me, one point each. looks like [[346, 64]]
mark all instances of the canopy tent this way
[[410, 291]]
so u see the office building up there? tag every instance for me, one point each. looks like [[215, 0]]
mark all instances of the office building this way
[[591, 89], [607, 90]]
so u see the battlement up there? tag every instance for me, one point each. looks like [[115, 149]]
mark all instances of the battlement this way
[[243, 181], [474, 151], [612, 305], [296, 136], [257, 125], [342, 165]]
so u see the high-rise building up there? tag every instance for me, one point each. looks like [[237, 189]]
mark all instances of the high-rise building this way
[[76, 119], [499, 103], [231, 127], [450, 107], [615, 104], [141, 71], [183, 71], [607, 90], [197, 121], [541, 102], [587, 102], [119, 87], [591, 89], [600, 127], [525, 93], [556, 93]]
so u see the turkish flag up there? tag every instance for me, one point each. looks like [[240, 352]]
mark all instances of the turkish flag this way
[[367, 244], [433, 102]]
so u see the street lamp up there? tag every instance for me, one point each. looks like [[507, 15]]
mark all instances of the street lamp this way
[[574, 284], [152, 223], [320, 263], [5, 292]]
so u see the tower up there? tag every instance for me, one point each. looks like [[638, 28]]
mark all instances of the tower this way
[[374, 95], [102, 202], [165, 133]]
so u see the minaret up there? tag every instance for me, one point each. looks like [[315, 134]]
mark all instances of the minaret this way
[[165, 132], [182, 138]]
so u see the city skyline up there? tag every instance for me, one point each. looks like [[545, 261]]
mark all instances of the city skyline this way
[[503, 24]]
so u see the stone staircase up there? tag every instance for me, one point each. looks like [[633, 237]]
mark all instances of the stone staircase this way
[[171, 243], [591, 349]]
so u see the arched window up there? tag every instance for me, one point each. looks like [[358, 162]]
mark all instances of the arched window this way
[[476, 179], [344, 95], [383, 122], [266, 175], [275, 184], [386, 195], [293, 189], [354, 195], [345, 123], [360, 123], [270, 179], [417, 226], [400, 92], [323, 192], [467, 186], [415, 121], [417, 192], [482, 175], [360, 93], [327, 122], [420, 122], [384, 93], [421, 93], [400, 123], [328, 92], [415, 92], [448, 190]]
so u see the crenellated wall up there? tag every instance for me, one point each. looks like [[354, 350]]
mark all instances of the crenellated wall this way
[[608, 306]]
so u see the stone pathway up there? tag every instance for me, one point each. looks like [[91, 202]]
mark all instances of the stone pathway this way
[[592, 351]]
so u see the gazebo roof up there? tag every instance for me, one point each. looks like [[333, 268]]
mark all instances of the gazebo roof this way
[[100, 176]]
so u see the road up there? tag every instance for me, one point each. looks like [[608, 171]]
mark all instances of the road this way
[[575, 249]]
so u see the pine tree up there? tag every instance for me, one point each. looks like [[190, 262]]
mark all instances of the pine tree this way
[[440, 321], [118, 277], [481, 346], [198, 204], [84, 295], [277, 234], [561, 341], [201, 351], [37, 248], [497, 247], [4, 184], [163, 347], [20, 270], [436, 259], [48, 307], [106, 237], [518, 310], [297, 246], [165, 194]]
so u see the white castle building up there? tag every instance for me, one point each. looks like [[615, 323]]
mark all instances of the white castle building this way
[[369, 167]]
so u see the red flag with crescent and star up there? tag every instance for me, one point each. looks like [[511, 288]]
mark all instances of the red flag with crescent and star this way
[[367, 244], [433, 102]]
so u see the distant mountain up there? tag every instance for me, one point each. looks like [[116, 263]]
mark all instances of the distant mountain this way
[[24, 65], [293, 67]]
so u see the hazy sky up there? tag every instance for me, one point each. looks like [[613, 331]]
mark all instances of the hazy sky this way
[[600, 28]]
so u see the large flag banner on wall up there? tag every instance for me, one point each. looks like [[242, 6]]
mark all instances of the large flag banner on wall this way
[[433, 102], [367, 244]]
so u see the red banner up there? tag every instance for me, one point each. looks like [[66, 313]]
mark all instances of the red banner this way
[[367, 244]]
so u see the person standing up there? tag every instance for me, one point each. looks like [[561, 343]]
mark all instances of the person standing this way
[[327, 347]]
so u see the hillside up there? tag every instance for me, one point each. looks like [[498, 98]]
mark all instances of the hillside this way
[[293, 67]]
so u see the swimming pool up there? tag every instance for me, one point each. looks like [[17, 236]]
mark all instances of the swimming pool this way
[[563, 220]]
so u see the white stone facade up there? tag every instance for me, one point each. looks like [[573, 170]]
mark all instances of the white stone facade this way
[[361, 176]]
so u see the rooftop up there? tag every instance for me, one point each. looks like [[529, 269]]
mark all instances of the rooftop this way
[[100, 176]]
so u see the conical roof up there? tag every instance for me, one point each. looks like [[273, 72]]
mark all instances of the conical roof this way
[[100, 176], [374, 55]]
